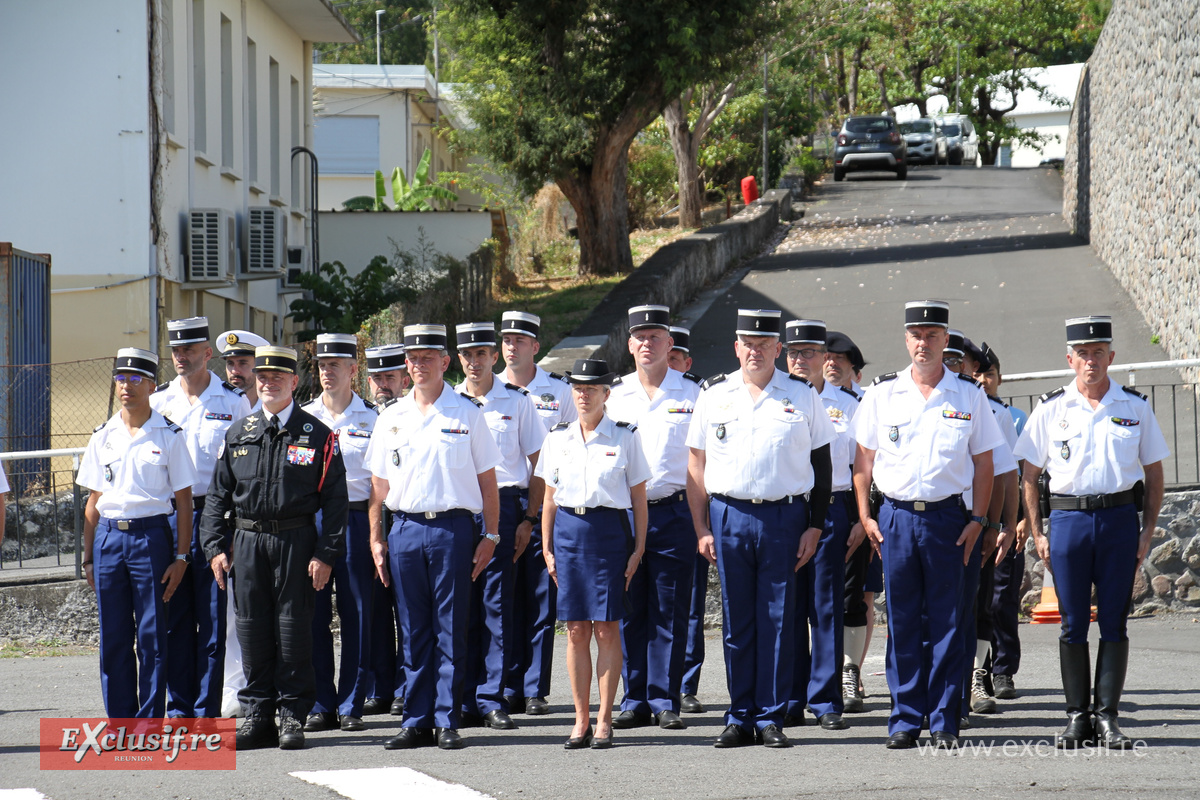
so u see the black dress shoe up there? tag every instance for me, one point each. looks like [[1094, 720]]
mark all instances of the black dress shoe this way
[[793, 720], [349, 723], [397, 709], [291, 733], [321, 721], [773, 736], [632, 719], [448, 739], [466, 720], [516, 705], [668, 720], [944, 740], [409, 738], [256, 732], [579, 742], [734, 736], [374, 706], [833, 722], [498, 720], [602, 744], [536, 706], [690, 705], [901, 740]]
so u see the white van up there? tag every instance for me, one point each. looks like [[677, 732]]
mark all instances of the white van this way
[[962, 142]]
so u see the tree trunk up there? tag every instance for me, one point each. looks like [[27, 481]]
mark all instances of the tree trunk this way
[[602, 209], [843, 94], [685, 145], [855, 69], [881, 76]]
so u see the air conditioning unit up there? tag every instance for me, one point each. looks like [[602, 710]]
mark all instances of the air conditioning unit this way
[[211, 238], [266, 238], [297, 263]]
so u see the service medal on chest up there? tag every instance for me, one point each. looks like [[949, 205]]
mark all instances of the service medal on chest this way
[[395, 458], [1062, 423], [547, 398], [720, 432], [1066, 451], [894, 433], [108, 474]]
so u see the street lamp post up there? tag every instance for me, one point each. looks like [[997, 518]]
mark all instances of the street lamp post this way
[[378, 48]]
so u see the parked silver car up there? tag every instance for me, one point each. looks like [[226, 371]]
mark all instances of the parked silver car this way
[[926, 142]]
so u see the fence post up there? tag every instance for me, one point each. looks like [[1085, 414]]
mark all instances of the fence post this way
[[78, 514]]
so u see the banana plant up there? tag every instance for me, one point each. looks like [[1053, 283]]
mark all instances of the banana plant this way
[[415, 196]]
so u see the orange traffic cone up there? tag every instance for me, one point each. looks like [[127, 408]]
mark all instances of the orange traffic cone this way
[[1046, 611]]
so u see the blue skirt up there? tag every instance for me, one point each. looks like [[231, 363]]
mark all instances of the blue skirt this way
[[590, 554]]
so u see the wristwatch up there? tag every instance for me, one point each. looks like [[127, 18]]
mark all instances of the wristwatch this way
[[494, 538], [983, 521], [532, 520], [999, 526], [184, 557]]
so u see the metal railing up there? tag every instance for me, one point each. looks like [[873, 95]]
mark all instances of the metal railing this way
[[1176, 406], [44, 510]]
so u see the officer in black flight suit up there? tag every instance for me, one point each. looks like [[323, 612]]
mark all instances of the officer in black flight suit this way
[[278, 468]]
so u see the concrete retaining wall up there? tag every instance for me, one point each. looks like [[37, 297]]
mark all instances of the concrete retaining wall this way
[[1132, 168]]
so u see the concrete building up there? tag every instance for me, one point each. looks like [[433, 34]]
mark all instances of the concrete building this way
[[148, 147]]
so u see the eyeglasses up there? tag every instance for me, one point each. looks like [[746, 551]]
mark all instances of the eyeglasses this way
[[806, 352], [132, 380], [952, 361]]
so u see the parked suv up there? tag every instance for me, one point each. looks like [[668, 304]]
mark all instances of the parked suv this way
[[925, 141], [870, 143], [962, 142]]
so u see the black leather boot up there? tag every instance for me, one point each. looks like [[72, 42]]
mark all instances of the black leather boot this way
[[1076, 669], [1112, 660]]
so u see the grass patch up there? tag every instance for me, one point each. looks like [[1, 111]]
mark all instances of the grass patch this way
[[562, 303], [644, 243], [43, 648]]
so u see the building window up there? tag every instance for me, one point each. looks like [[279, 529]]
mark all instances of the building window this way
[[297, 170], [199, 97], [168, 57], [347, 145], [252, 107], [226, 92], [273, 77]]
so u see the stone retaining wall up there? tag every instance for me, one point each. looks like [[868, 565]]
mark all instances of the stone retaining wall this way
[[1132, 168]]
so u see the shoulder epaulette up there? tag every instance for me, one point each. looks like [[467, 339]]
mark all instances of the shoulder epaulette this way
[[850, 392], [171, 424], [887, 376], [562, 426], [478, 403], [369, 404], [693, 377], [969, 379], [629, 425], [232, 388], [713, 381], [1135, 392], [98, 427], [558, 376], [1054, 394], [387, 403], [162, 387], [805, 381], [312, 402], [617, 380], [512, 387], [997, 400]]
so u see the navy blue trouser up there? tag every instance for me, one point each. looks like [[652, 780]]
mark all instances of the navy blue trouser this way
[[128, 567], [196, 630], [430, 563], [818, 676], [654, 630], [385, 679], [756, 559], [923, 578], [490, 632], [693, 654], [534, 612], [1094, 548], [1006, 610], [354, 576]]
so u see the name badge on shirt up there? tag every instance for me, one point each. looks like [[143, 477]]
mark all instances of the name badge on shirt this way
[[1125, 423], [956, 415], [300, 455], [222, 417]]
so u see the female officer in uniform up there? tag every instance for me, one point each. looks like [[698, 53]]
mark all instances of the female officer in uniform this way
[[594, 470]]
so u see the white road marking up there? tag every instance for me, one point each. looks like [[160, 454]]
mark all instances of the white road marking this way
[[21, 794], [362, 784]]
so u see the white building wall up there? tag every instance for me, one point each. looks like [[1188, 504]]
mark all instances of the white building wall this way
[[355, 237], [1054, 124]]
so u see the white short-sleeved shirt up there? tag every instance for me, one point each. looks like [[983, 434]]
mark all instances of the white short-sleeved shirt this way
[[662, 425], [204, 422], [1003, 460], [759, 449], [551, 397], [515, 426], [923, 448], [1092, 451], [353, 427], [136, 477], [594, 473], [432, 462], [3, 479], [840, 405]]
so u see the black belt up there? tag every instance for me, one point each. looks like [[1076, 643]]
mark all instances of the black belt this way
[[274, 525], [138, 524], [1090, 502], [512, 491], [927, 505], [357, 505], [678, 497], [197, 503], [454, 512], [580, 511], [783, 501]]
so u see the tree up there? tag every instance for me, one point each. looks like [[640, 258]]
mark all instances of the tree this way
[[685, 135], [340, 303], [560, 89], [402, 32], [416, 196]]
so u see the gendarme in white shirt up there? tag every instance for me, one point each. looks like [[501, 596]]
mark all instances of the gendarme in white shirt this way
[[662, 426], [353, 427], [516, 428], [137, 476], [204, 422], [596, 473]]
